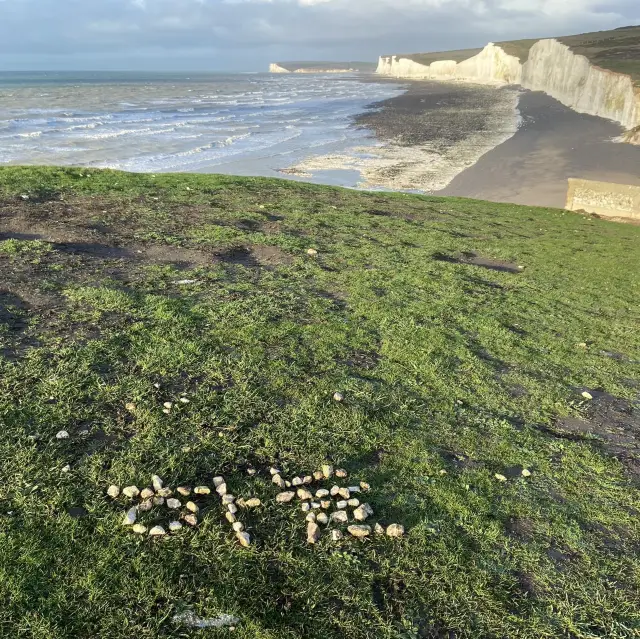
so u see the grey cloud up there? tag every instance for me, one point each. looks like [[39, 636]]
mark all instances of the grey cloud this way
[[233, 34]]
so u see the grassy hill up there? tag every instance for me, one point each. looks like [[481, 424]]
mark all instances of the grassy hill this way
[[617, 50], [462, 336]]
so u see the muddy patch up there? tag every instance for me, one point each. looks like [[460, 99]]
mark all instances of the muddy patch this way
[[611, 423], [474, 259], [520, 528], [255, 256]]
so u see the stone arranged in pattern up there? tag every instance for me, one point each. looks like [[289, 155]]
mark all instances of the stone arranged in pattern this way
[[363, 512], [359, 531]]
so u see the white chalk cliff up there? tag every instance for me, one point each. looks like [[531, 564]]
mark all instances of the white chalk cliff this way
[[552, 67], [274, 67]]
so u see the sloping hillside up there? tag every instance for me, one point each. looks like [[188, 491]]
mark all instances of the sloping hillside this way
[[474, 365]]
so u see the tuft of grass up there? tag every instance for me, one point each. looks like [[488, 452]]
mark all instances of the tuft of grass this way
[[200, 286]]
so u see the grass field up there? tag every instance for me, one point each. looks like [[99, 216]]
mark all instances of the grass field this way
[[455, 364], [617, 50]]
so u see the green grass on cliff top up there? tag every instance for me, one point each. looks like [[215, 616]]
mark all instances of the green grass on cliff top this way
[[617, 50], [452, 373]]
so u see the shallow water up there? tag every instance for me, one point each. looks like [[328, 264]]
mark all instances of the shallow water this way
[[235, 123]]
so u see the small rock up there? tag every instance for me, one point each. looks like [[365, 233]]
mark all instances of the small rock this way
[[251, 471], [24, 197], [334, 490], [342, 504], [157, 531], [145, 506], [311, 517], [296, 481], [306, 507], [359, 531], [354, 489], [318, 475], [192, 520], [362, 512], [341, 473], [244, 539], [500, 477], [63, 434], [285, 498], [139, 529], [175, 525], [587, 395], [278, 481], [228, 499], [526, 472], [158, 501], [274, 471], [202, 490], [582, 345], [345, 493], [315, 505], [364, 486], [184, 400], [231, 518], [218, 481], [113, 491], [147, 493], [254, 502], [164, 492], [313, 532], [191, 507], [237, 526], [353, 503], [221, 489], [311, 252], [168, 405], [395, 530], [173, 503], [443, 472], [232, 508], [130, 517], [304, 494], [338, 397], [323, 492], [340, 517], [185, 491], [131, 492], [307, 479], [322, 518], [130, 406], [325, 504], [166, 411], [327, 471], [378, 529], [287, 484]]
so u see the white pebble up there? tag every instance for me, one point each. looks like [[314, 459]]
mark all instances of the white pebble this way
[[113, 491], [158, 501], [168, 405], [306, 507], [130, 492], [353, 503], [218, 481], [157, 531], [325, 504], [364, 486], [130, 517], [254, 502], [345, 493], [274, 471], [500, 477], [362, 512], [173, 503], [231, 518], [323, 492], [202, 490], [354, 489], [191, 519], [63, 434], [232, 508], [66, 469], [315, 505], [147, 493], [185, 491], [341, 505], [317, 475], [311, 517], [338, 397], [304, 494], [378, 529], [526, 472], [145, 506], [340, 517], [322, 518], [341, 472], [359, 531], [313, 532], [190, 506], [278, 481], [395, 530], [307, 479], [285, 498], [336, 535], [327, 471], [221, 489], [164, 492], [139, 529], [237, 526], [244, 539], [228, 499], [175, 525], [296, 481]]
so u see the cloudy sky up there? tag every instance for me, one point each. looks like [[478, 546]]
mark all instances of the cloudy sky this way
[[247, 34]]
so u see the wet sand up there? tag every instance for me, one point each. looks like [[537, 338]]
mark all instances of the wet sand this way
[[552, 144]]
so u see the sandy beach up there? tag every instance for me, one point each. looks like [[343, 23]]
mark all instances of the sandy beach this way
[[552, 144]]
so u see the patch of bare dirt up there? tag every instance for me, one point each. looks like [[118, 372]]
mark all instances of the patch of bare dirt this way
[[613, 423], [478, 260]]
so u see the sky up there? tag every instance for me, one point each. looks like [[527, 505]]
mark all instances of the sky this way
[[245, 35]]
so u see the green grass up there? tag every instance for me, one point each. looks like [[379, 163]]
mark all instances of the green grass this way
[[445, 366]]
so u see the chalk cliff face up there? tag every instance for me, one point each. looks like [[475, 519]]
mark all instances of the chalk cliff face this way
[[274, 67], [552, 67], [491, 66]]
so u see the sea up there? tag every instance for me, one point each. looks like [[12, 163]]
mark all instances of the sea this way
[[243, 124]]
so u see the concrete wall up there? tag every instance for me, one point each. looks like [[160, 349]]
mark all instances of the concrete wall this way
[[604, 198]]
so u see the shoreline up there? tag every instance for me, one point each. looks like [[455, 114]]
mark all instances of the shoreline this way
[[423, 138]]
